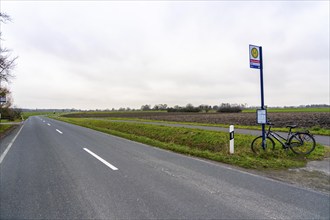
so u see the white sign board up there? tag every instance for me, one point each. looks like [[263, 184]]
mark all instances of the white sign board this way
[[254, 56], [261, 116], [2, 99]]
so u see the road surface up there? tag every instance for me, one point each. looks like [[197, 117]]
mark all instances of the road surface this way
[[54, 170]]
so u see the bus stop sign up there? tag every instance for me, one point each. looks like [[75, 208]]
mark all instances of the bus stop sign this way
[[254, 57]]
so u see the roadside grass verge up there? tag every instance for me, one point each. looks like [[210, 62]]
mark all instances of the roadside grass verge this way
[[316, 130], [5, 128], [200, 143], [9, 121]]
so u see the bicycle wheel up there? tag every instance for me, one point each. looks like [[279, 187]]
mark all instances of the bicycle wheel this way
[[302, 143], [256, 145]]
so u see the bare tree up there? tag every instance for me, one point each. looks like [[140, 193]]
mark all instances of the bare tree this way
[[146, 107], [7, 64], [4, 17]]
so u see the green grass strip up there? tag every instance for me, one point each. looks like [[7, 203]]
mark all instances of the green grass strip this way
[[211, 145], [4, 128], [316, 130]]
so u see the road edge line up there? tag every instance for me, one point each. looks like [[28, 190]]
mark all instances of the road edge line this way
[[9, 145]]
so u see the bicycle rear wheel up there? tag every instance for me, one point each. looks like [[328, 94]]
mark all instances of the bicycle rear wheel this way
[[256, 145], [302, 143]]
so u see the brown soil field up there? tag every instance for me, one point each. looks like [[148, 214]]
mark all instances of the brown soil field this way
[[280, 119]]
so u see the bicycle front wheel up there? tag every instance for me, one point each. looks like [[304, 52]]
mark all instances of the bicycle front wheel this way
[[256, 145], [302, 143]]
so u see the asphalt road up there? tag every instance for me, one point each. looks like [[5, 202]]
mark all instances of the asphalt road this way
[[55, 170]]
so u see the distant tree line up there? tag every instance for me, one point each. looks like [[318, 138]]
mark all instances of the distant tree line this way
[[293, 106], [309, 106], [224, 107]]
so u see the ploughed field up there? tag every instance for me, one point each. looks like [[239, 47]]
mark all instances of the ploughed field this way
[[280, 119]]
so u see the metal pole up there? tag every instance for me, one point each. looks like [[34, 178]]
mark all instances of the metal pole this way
[[262, 97]]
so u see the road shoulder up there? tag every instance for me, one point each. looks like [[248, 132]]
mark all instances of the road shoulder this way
[[315, 176]]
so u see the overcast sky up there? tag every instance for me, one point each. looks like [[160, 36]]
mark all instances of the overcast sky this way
[[111, 54]]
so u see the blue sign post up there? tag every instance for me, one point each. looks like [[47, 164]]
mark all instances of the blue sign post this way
[[256, 63]]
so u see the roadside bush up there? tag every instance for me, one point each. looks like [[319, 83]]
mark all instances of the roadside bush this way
[[184, 110], [10, 114], [229, 108], [187, 108]]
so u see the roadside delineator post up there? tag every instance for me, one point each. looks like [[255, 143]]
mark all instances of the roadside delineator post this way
[[231, 139]]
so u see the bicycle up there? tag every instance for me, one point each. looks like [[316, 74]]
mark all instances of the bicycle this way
[[299, 142]]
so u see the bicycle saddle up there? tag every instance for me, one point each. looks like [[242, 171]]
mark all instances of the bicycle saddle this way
[[291, 126]]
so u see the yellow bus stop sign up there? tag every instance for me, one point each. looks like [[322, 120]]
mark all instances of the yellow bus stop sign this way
[[254, 52], [254, 57]]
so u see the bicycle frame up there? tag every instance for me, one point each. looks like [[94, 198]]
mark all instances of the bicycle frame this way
[[278, 137]]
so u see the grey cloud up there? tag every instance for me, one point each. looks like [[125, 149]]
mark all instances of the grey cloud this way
[[119, 54]]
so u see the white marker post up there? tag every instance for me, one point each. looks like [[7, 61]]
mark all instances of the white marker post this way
[[231, 139]]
